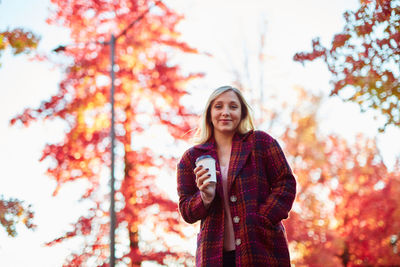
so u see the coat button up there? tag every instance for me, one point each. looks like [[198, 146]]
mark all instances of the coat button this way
[[238, 241], [233, 198], [236, 219]]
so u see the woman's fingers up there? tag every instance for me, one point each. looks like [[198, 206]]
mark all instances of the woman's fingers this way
[[205, 185], [204, 177], [200, 181], [199, 171], [200, 174], [197, 168], [206, 188]]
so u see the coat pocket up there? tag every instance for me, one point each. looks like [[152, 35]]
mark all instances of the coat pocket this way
[[263, 222], [269, 236]]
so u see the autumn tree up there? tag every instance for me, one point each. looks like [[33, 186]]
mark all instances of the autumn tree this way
[[13, 211], [150, 120], [364, 59], [18, 40], [347, 210]]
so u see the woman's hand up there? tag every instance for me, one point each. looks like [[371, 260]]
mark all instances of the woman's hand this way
[[207, 189]]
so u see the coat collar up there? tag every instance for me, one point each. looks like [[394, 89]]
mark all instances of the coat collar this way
[[210, 144]]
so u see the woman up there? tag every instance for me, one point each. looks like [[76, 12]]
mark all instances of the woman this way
[[241, 214]]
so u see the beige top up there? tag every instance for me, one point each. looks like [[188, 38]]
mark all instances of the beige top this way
[[229, 235]]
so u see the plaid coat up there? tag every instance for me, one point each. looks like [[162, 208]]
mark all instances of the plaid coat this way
[[261, 190]]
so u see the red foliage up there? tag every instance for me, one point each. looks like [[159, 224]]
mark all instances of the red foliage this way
[[148, 90], [318, 51], [347, 211]]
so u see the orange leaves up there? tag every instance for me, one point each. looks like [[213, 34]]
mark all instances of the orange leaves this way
[[364, 29], [347, 207], [318, 52], [148, 92], [14, 211], [20, 40], [368, 51], [339, 40], [365, 2]]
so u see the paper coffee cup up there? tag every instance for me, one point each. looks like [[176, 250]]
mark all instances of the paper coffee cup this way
[[208, 162]]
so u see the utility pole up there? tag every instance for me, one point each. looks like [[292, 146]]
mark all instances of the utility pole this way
[[112, 182]]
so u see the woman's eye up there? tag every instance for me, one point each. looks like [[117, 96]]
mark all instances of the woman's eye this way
[[234, 107], [218, 106]]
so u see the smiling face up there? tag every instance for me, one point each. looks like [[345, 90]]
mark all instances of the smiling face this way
[[226, 113]]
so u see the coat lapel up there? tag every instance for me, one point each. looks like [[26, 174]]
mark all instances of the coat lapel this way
[[241, 149]]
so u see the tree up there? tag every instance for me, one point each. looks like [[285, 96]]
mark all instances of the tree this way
[[20, 41], [347, 210], [364, 59], [148, 93], [13, 211]]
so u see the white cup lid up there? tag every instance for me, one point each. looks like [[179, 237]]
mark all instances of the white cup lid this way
[[203, 157]]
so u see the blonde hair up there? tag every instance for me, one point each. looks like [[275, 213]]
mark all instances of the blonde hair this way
[[205, 129]]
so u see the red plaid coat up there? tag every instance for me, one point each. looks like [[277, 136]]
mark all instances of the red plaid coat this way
[[261, 192]]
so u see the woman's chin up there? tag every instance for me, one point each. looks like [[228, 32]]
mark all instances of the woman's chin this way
[[226, 130]]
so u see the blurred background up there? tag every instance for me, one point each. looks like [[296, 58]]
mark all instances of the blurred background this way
[[322, 78]]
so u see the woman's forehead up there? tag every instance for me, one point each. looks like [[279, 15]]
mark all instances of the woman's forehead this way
[[228, 96]]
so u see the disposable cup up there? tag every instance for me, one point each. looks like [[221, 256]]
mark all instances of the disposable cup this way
[[208, 161]]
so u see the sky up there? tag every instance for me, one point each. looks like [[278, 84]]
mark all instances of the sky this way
[[223, 28]]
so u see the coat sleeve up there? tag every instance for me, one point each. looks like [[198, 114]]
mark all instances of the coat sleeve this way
[[281, 180], [191, 205]]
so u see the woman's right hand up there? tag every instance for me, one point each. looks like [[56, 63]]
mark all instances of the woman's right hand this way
[[207, 189]]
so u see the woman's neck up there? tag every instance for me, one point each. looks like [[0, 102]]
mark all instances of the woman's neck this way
[[223, 140]]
